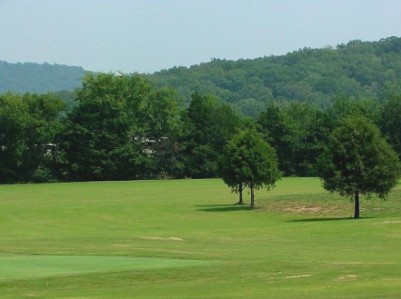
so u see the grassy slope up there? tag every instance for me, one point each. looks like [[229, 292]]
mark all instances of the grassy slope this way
[[185, 239]]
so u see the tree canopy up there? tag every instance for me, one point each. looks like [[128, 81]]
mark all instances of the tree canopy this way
[[132, 126], [209, 125], [39, 78], [360, 69], [119, 129], [249, 161], [28, 125], [358, 160]]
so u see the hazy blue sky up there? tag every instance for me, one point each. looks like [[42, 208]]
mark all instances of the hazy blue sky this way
[[150, 35]]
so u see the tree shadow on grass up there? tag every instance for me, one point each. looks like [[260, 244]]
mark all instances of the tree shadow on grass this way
[[223, 208], [327, 219]]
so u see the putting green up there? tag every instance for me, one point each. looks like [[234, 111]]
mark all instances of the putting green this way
[[38, 266]]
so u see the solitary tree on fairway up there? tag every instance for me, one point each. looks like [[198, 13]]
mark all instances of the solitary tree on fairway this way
[[357, 161], [230, 170], [249, 161]]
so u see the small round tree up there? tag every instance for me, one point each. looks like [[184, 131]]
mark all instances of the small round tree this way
[[249, 161], [230, 170], [357, 160]]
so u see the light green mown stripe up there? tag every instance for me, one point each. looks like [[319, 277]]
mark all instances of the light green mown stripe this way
[[37, 266]]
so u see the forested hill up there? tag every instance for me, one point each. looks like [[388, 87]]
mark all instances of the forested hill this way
[[38, 78], [356, 69]]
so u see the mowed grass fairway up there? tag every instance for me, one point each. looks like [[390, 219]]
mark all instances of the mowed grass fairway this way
[[187, 239]]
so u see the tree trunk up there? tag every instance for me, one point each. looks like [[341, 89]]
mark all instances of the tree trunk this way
[[240, 189], [356, 212], [252, 195]]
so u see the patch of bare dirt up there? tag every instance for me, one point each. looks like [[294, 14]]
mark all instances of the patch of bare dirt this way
[[298, 276], [310, 209], [389, 222], [349, 277], [163, 239]]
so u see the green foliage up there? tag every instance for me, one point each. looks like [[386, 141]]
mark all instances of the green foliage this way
[[356, 69], [358, 160], [390, 122], [38, 78], [121, 128], [13, 127], [343, 107], [28, 125], [298, 132], [210, 124], [124, 127], [249, 161]]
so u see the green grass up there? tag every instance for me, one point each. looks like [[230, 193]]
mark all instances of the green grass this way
[[187, 239], [45, 266]]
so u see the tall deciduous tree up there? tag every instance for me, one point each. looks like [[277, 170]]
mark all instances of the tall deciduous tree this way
[[14, 121], [357, 161], [298, 132], [161, 123], [249, 161], [121, 128], [210, 124], [28, 124], [97, 134], [391, 122]]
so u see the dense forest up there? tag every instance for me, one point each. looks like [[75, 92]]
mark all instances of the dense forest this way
[[122, 127], [131, 126], [356, 69], [38, 78]]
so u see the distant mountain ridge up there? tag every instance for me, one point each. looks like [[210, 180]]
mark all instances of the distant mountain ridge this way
[[39, 78], [358, 69]]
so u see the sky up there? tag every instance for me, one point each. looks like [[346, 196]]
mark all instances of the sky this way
[[150, 35]]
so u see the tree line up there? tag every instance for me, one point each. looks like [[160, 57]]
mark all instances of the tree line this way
[[122, 127], [361, 69], [39, 78]]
